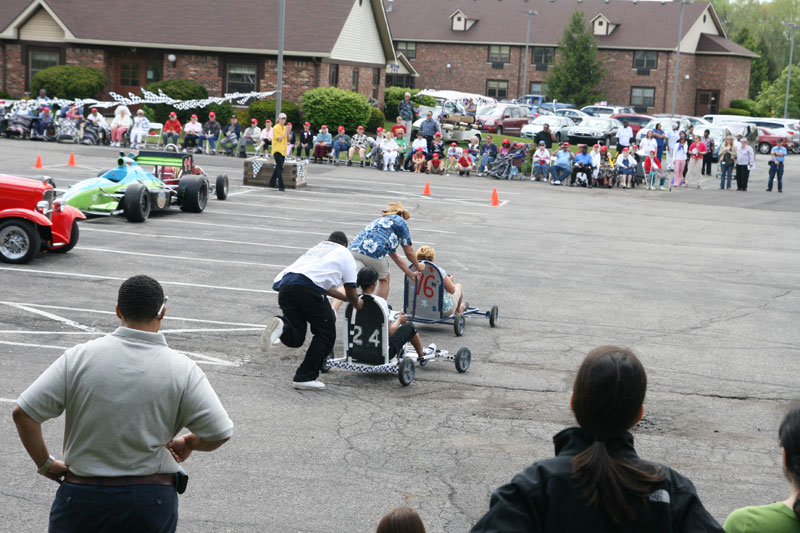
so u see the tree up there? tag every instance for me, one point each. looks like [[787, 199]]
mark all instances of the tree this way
[[69, 82], [771, 100], [577, 72], [762, 66]]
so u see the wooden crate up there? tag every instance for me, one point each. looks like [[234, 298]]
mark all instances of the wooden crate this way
[[294, 172]]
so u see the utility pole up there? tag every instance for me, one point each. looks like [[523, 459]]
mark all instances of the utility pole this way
[[678, 58], [524, 90], [279, 84], [794, 26]]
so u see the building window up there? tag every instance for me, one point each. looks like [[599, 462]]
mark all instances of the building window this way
[[499, 54], [241, 78], [497, 88], [355, 80], [129, 74], [645, 59], [39, 61], [376, 81], [538, 87], [407, 49], [400, 80], [543, 55], [154, 70], [643, 96], [333, 75]]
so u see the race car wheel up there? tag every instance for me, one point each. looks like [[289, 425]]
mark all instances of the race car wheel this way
[[493, 316], [463, 359], [19, 241], [193, 193], [73, 240], [764, 148], [459, 324], [558, 138], [326, 364], [222, 186], [405, 371], [136, 202]]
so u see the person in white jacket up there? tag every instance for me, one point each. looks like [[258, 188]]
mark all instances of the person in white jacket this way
[[648, 144], [626, 164], [541, 161], [139, 131], [389, 149], [122, 121], [595, 153]]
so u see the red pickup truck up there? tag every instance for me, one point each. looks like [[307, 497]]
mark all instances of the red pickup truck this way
[[32, 220]]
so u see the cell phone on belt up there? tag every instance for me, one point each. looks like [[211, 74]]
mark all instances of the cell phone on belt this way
[[181, 480]]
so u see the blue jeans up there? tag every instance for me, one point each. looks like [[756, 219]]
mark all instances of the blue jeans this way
[[212, 142], [171, 137], [338, 147], [79, 508], [485, 160], [559, 173], [773, 169], [540, 170], [726, 170]]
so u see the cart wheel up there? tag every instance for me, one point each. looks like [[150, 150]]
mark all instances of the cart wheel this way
[[326, 364], [405, 371], [463, 359], [493, 316], [459, 324]]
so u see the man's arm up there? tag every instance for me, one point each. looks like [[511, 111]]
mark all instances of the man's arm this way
[[183, 446], [30, 433], [402, 265]]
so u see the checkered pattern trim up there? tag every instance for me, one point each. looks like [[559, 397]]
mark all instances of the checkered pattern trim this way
[[365, 369]]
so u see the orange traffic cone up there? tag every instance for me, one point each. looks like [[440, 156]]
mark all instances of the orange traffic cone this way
[[38, 162], [427, 190], [71, 162], [495, 200]]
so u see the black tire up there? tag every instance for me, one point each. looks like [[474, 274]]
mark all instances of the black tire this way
[[405, 371], [193, 193], [493, 316], [459, 324], [136, 203], [73, 240], [499, 130], [764, 148], [222, 186], [463, 360], [19, 241], [326, 364], [558, 138]]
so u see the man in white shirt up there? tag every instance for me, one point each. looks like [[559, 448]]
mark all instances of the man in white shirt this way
[[126, 396], [671, 138], [302, 289], [624, 136]]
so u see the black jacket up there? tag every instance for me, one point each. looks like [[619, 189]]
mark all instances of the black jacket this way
[[307, 137], [548, 138], [545, 498]]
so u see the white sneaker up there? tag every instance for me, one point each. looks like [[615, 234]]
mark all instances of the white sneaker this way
[[308, 385], [272, 333], [431, 348]]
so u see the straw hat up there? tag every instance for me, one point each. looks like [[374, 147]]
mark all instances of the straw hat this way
[[396, 208]]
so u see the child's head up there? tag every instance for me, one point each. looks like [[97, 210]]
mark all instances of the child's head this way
[[789, 436], [426, 253], [366, 279], [401, 520]]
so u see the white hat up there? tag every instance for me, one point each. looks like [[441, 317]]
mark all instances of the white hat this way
[[282, 115]]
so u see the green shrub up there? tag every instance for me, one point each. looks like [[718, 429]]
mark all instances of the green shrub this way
[[224, 112], [744, 103], [242, 116], [732, 111], [394, 95], [335, 107], [376, 119], [265, 109], [4, 95], [180, 90], [69, 82]]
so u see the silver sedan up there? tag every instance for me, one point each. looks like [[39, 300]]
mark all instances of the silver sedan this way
[[558, 125]]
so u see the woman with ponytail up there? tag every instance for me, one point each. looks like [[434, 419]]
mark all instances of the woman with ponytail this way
[[781, 517], [596, 482]]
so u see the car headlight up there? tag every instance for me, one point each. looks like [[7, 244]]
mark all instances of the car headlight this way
[[488, 122]]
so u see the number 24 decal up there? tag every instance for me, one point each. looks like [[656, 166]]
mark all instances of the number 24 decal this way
[[374, 339]]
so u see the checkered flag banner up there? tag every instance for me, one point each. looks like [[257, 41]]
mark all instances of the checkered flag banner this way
[[257, 164]]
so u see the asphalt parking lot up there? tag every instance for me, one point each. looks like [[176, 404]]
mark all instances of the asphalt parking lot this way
[[702, 284]]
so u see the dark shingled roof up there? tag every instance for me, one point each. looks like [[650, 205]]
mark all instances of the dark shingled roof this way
[[720, 45], [644, 25]]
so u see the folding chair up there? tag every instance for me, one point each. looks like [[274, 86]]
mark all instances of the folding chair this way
[[158, 128]]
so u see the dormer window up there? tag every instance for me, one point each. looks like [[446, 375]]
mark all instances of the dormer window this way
[[460, 22], [601, 25]]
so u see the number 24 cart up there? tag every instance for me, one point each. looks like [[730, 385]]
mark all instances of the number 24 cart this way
[[366, 346], [423, 302]]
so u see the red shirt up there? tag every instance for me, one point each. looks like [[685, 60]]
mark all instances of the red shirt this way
[[172, 125], [648, 164], [464, 161], [399, 128], [436, 162], [701, 147]]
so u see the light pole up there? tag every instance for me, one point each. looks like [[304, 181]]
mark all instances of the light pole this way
[[279, 84], [794, 26], [524, 90], [678, 58]]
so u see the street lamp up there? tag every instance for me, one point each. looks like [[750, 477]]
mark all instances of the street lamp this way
[[678, 58], [279, 84], [794, 26], [529, 12]]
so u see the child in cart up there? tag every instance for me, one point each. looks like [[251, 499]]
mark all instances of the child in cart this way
[[401, 331]]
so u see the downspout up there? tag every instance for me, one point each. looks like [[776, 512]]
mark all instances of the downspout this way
[[5, 67], [317, 62], [666, 81]]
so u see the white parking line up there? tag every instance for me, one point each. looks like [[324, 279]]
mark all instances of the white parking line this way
[[112, 278], [51, 316], [181, 258], [7, 400], [31, 345], [203, 239]]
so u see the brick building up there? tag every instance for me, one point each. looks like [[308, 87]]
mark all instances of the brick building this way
[[479, 47], [226, 46]]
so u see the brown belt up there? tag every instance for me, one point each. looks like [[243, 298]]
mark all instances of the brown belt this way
[[156, 479]]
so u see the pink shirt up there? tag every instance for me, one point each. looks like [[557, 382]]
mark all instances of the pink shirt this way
[[193, 127]]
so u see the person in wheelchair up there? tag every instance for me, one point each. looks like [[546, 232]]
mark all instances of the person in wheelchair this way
[[582, 163], [401, 331], [453, 301]]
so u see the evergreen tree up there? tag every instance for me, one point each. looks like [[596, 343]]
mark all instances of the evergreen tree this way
[[761, 66], [577, 72]]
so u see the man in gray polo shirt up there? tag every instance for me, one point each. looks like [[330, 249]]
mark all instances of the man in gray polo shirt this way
[[126, 396]]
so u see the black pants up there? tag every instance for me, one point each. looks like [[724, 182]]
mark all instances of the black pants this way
[[277, 174], [400, 337], [742, 175], [708, 159], [301, 306], [586, 170], [300, 149], [79, 508], [190, 140]]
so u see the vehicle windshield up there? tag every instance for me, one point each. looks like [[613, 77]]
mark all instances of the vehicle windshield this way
[[666, 124], [496, 112], [596, 123], [717, 132], [485, 109], [545, 120]]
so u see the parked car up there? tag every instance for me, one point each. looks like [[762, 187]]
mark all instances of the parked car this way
[[595, 130], [666, 125], [767, 139], [694, 121], [606, 110], [539, 111], [718, 134], [558, 125], [748, 131], [505, 118], [559, 105], [635, 121], [779, 127], [33, 220], [575, 115], [532, 99]]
